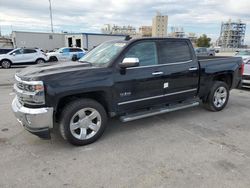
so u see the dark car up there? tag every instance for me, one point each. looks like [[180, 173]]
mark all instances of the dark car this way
[[129, 79], [5, 50]]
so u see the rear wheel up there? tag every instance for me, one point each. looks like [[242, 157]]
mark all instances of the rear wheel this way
[[40, 61], [83, 122], [218, 96], [6, 64], [53, 58]]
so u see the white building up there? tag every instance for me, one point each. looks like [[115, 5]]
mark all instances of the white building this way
[[89, 40], [50, 41], [118, 30], [45, 41]]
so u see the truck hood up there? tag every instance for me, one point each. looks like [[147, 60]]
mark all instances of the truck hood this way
[[36, 71]]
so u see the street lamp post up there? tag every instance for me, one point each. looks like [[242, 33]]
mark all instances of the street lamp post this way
[[51, 22]]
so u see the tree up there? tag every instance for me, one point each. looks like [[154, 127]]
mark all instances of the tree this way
[[203, 41]]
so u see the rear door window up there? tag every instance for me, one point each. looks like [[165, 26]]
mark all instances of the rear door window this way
[[173, 52], [29, 51]]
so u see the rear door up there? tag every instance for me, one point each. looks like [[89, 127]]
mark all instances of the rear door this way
[[180, 68], [142, 86], [29, 55]]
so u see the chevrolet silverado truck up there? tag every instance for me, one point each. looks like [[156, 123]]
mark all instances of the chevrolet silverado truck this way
[[131, 79]]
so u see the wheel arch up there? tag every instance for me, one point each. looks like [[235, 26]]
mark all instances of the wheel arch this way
[[7, 60], [225, 77], [99, 96]]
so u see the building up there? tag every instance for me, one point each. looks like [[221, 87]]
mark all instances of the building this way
[[145, 31], [5, 42], [45, 41], [232, 34], [193, 38], [159, 25], [89, 40], [177, 32], [50, 41], [118, 30]]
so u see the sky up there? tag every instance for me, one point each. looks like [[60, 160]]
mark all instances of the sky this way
[[203, 16]]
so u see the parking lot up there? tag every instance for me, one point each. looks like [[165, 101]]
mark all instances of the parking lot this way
[[188, 148]]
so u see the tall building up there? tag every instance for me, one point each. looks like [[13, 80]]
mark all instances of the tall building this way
[[118, 30], [145, 31], [159, 25], [232, 34]]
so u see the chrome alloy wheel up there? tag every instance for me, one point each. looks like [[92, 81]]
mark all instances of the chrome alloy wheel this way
[[85, 123], [220, 97], [6, 64], [40, 61]]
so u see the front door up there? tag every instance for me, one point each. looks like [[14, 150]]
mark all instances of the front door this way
[[142, 86]]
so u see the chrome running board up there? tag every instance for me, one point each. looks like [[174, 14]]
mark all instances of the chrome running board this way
[[161, 110]]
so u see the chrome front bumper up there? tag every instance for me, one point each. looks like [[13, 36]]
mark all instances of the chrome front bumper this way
[[38, 121]]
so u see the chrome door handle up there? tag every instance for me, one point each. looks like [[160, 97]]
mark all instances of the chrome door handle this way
[[193, 68], [157, 73]]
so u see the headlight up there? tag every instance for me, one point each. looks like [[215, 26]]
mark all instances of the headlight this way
[[30, 92]]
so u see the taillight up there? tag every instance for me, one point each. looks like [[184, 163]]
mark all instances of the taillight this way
[[242, 69]]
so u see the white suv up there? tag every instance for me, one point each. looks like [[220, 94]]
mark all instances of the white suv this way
[[66, 54], [21, 56]]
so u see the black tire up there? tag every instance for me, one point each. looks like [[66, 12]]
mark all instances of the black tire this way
[[74, 57], [6, 64], [210, 101], [53, 58], [68, 114], [40, 61]]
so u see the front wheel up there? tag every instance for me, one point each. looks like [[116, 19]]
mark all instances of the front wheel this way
[[6, 64], [218, 96], [83, 121]]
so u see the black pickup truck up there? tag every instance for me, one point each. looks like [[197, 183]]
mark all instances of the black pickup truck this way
[[130, 79]]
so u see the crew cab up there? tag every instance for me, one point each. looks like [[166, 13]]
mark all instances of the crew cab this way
[[22, 56], [131, 79], [66, 54]]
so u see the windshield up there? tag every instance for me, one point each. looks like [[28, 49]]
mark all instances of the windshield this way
[[103, 54], [243, 53]]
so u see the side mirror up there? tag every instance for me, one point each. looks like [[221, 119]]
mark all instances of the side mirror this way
[[129, 62], [13, 54]]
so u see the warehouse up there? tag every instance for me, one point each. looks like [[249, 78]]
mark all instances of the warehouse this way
[[45, 41], [50, 41], [89, 40]]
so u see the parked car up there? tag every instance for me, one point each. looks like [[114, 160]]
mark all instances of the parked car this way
[[217, 49], [5, 50], [130, 79], [22, 56], [203, 51], [245, 55], [66, 54]]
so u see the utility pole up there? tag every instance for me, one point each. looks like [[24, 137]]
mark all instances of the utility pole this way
[[51, 22]]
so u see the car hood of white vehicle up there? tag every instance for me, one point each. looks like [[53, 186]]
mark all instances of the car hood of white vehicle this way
[[51, 53]]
